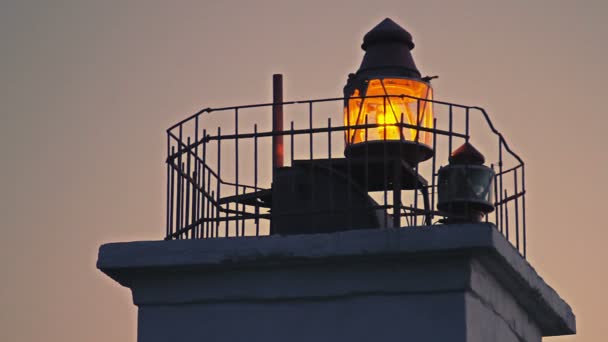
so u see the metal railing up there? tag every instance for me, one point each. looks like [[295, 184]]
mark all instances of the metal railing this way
[[220, 173]]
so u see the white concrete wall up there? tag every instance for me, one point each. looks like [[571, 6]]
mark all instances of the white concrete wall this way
[[363, 318], [460, 283]]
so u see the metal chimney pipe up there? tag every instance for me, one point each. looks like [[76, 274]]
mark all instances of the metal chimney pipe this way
[[277, 122]]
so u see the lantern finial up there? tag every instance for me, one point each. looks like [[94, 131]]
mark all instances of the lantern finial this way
[[387, 31], [467, 154], [388, 52]]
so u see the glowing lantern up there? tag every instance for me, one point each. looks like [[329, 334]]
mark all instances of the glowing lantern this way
[[387, 101]]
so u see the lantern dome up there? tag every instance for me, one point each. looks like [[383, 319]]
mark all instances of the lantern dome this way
[[387, 31], [387, 51], [467, 154]]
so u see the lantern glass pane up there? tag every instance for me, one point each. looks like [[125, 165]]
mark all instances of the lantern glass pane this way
[[388, 102]]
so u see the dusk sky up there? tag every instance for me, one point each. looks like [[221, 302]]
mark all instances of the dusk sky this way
[[87, 89]]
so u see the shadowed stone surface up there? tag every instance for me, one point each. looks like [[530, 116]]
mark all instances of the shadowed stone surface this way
[[456, 283]]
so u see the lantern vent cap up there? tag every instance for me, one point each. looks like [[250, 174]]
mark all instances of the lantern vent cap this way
[[466, 154], [387, 31]]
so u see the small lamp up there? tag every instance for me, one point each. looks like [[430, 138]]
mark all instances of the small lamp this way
[[465, 186]]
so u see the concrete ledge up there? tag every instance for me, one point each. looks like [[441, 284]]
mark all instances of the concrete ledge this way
[[437, 248], [259, 250]]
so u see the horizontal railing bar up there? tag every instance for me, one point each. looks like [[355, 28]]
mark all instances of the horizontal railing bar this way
[[510, 198], [484, 113], [187, 149], [332, 129], [249, 216], [314, 130], [185, 175], [191, 226], [236, 212], [495, 131], [329, 99], [509, 170]]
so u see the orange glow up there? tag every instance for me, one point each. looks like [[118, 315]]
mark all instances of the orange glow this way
[[390, 108]]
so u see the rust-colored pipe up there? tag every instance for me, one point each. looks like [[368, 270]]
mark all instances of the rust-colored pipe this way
[[277, 122]]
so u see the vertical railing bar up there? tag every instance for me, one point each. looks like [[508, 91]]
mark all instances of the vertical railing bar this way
[[434, 168], [516, 209], [312, 169], [506, 205], [182, 194], [417, 154], [366, 164], [197, 168], [500, 180], [214, 215], [178, 223], [236, 170], [385, 166], [349, 195], [523, 207], [330, 167], [194, 210], [204, 185], [397, 177], [496, 204], [467, 204], [172, 193], [310, 126], [201, 199], [243, 212], [450, 129], [347, 134], [467, 124], [188, 186], [209, 225], [167, 232], [291, 141], [193, 202], [219, 167], [255, 177], [411, 222]]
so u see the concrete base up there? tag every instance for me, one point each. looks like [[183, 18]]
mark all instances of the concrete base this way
[[440, 283]]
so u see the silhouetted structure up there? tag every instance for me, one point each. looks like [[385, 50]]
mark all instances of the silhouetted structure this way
[[381, 244], [392, 126]]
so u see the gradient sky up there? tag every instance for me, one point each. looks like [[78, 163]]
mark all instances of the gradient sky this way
[[87, 89]]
